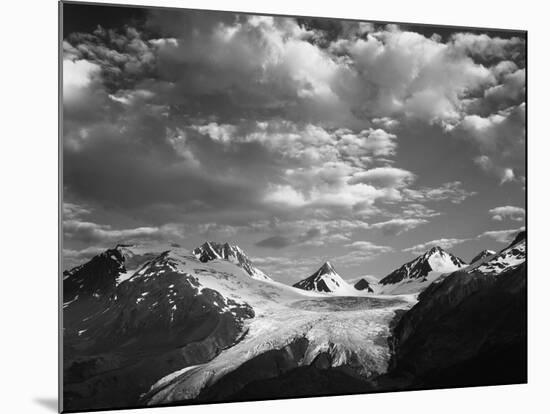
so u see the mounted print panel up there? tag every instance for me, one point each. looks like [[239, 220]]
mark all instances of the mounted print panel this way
[[262, 207]]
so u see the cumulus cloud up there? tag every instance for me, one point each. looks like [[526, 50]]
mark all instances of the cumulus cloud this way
[[501, 138], [443, 243], [270, 127], [507, 212]]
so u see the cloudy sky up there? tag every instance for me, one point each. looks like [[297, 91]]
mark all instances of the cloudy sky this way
[[298, 139]]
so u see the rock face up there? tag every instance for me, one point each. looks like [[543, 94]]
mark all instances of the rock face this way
[[484, 254], [363, 284], [327, 280], [419, 273], [212, 251], [119, 339], [470, 328]]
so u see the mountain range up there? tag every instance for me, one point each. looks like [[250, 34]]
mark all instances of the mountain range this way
[[158, 324]]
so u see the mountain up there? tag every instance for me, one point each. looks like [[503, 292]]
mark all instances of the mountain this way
[[133, 313], [507, 258], [420, 272], [463, 328], [155, 324], [212, 251], [482, 255], [327, 280], [363, 284]]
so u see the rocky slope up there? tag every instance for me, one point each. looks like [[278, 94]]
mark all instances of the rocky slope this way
[[118, 339], [481, 256], [363, 284], [470, 328]]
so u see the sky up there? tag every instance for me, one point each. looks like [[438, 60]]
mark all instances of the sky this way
[[299, 139]]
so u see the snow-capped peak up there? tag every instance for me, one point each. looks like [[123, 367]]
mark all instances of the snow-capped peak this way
[[326, 279], [424, 269], [211, 251]]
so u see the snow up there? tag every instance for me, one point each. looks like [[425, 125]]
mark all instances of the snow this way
[[441, 264], [170, 377], [506, 259], [348, 323], [123, 276], [358, 334]]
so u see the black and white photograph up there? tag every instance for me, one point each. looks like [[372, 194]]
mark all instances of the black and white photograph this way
[[263, 207]]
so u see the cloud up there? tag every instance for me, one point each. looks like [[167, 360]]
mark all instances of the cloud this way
[[416, 210], [238, 124], [384, 177], [89, 232], [488, 47], [501, 138], [502, 236], [397, 226], [510, 212], [78, 229], [275, 242], [361, 252], [443, 243], [77, 76], [451, 191], [376, 142], [73, 210], [415, 76], [72, 257], [279, 242]]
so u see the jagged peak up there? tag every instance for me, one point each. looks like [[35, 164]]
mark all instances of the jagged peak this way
[[211, 250], [327, 267], [434, 250]]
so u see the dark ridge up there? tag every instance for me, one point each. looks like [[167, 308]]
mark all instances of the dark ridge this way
[[470, 329], [363, 285], [522, 235]]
